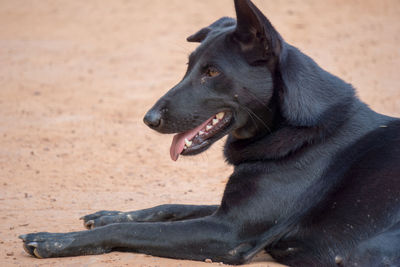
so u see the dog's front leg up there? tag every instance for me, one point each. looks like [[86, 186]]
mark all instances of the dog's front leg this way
[[196, 239], [161, 213]]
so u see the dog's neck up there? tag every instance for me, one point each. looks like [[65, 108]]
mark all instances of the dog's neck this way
[[286, 140]]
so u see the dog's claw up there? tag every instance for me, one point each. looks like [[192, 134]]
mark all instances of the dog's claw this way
[[37, 254], [33, 244], [27, 249], [89, 224]]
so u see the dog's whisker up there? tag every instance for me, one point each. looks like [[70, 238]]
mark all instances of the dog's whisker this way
[[254, 115], [252, 119], [251, 116], [256, 98]]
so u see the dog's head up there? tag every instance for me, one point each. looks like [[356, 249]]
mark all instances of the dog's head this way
[[231, 85], [227, 87]]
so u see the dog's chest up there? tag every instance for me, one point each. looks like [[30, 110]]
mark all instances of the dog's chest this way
[[271, 191]]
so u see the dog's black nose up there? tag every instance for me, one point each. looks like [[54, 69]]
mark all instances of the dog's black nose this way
[[152, 118]]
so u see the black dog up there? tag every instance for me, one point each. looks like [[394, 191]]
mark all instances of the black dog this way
[[316, 178]]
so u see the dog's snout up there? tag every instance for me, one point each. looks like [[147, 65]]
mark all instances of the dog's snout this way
[[152, 118]]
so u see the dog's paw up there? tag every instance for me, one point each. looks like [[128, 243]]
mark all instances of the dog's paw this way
[[46, 245], [101, 218]]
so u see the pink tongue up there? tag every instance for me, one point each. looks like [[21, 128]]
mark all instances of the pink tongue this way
[[179, 139]]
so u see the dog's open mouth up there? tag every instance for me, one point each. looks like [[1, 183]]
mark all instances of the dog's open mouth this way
[[194, 141]]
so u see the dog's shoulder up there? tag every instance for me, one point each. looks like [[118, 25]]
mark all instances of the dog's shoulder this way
[[375, 156], [379, 148]]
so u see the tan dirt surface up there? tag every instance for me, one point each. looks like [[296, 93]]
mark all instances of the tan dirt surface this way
[[76, 78]]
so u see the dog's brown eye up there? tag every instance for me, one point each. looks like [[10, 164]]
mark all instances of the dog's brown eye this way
[[212, 72]]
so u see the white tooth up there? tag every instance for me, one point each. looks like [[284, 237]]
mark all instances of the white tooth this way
[[201, 133], [220, 115], [215, 121], [208, 127], [184, 147], [188, 143]]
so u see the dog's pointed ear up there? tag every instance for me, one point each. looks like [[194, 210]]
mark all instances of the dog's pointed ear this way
[[202, 34], [257, 37]]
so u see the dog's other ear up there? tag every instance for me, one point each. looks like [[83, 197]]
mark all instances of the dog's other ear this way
[[202, 34], [257, 37]]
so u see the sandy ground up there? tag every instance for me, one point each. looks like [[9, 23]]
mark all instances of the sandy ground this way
[[76, 78]]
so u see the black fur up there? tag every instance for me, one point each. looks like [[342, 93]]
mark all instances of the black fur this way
[[316, 172]]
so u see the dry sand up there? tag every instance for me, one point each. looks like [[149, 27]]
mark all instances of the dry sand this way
[[76, 78]]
